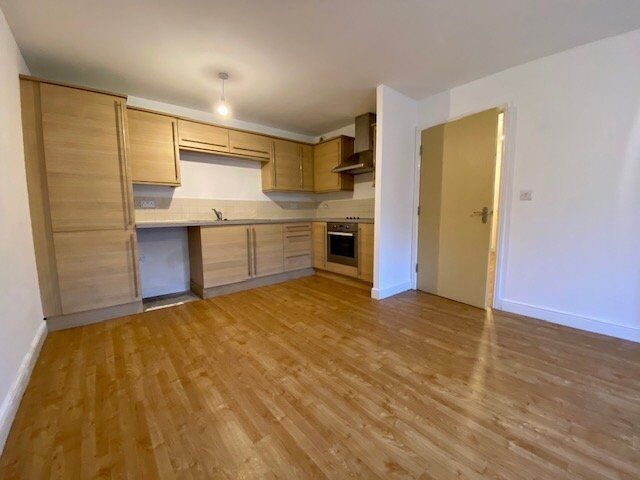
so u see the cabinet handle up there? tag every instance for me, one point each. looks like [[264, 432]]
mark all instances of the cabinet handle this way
[[324, 235], [204, 143], [176, 150], [274, 170], [301, 162], [132, 240], [359, 250], [253, 232], [250, 150], [122, 140], [249, 250]]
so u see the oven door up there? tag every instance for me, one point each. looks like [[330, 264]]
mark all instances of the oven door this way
[[342, 247]]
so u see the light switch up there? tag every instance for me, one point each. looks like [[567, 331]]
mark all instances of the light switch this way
[[526, 195]]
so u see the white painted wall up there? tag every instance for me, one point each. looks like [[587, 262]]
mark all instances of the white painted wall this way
[[572, 253], [21, 318], [394, 193]]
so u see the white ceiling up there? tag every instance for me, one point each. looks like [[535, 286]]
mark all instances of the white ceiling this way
[[302, 65]]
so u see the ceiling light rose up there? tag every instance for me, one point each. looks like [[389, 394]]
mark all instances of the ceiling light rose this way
[[223, 107]]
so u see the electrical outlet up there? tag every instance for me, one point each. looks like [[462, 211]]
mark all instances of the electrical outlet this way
[[148, 203], [526, 195]]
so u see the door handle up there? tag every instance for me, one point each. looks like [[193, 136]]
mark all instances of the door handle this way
[[484, 214]]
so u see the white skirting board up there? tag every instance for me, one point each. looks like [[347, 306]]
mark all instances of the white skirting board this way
[[11, 402], [570, 320], [380, 293]]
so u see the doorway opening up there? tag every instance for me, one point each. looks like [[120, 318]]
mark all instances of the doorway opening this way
[[460, 169]]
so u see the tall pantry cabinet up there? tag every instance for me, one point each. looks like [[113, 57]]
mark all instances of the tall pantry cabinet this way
[[78, 177]]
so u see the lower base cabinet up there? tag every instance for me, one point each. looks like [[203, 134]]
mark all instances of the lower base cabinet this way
[[96, 269], [229, 254]]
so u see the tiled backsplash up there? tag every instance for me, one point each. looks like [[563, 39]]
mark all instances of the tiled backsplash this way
[[172, 209]]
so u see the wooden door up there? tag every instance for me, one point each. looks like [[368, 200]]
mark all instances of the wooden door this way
[[153, 148], [456, 183], [307, 168], [365, 252], [96, 269], [85, 156], [319, 236], [201, 137], [225, 254], [267, 250], [250, 145], [287, 164]]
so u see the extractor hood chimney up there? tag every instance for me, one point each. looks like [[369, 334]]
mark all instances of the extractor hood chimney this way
[[362, 160]]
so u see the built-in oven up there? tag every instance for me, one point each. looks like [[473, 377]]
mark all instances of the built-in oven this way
[[342, 243]]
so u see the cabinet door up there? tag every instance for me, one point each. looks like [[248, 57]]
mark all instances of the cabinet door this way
[[288, 165], [153, 143], [327, 156], [365, 251], [250, 145], [307, 168], [96, 269], [202, 137], [225, 254], [267, 250], [319, 235], [85, 159]]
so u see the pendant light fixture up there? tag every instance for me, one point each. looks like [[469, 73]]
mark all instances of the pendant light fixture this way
[[223, 107]]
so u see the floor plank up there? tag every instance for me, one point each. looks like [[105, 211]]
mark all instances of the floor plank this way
[[313, 379]]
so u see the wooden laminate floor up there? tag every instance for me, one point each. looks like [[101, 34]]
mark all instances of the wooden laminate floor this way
[[313, 379]]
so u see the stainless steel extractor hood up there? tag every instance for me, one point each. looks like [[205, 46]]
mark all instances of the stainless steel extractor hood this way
[[363, 159]]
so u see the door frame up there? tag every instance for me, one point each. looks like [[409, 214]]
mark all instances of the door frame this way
[[504, 202]]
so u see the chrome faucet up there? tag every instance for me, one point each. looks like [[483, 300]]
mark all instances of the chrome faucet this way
[[218, 214]]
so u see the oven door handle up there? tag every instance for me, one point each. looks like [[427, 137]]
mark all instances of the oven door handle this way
[[341, 234]]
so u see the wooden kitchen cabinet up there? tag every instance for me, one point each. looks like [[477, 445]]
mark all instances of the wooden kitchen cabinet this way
[[290, 169], [250, 145], [326, 156], [365, 252], [96, 269], [298, 251], [219, 255], [202, 137], [85, 152], [267, 250], [79, 183], [153, 143], [307, 167], [319, 239]]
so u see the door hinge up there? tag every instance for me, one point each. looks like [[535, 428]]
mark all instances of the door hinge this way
[[420, 150], [416, 268], [418, 209]]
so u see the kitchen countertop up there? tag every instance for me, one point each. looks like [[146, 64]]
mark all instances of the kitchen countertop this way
[[248, 221]]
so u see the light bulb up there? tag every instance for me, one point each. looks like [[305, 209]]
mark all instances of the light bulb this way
[[223, 109]]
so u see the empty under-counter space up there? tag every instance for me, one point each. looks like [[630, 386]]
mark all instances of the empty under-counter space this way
[[164, 261]]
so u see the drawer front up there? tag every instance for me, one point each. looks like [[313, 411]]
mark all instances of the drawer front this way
[[250, 145], [297, 243], [297, 262], [296, 228], [202, 137]]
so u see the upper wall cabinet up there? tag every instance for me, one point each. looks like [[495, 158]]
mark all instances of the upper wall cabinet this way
[[326, 156], [290, 170], [154, 154], [202, 137], [250, 145]]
